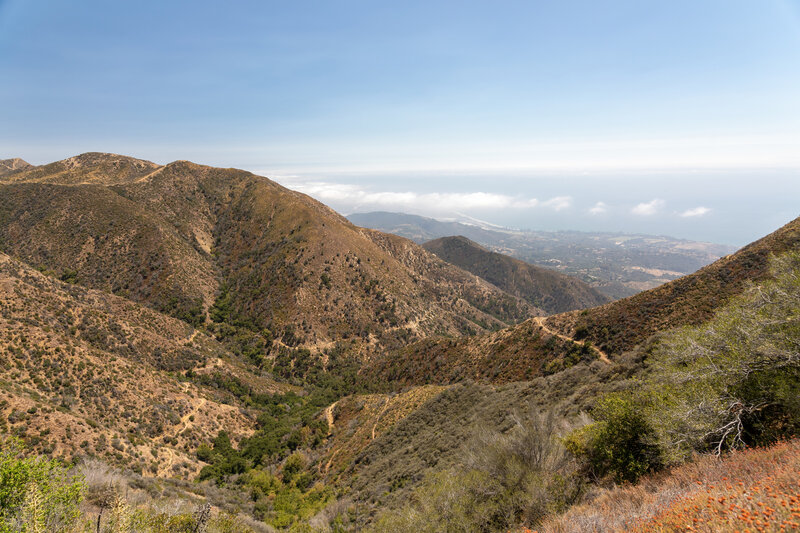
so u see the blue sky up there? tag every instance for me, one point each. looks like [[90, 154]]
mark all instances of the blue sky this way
[[677, 117]]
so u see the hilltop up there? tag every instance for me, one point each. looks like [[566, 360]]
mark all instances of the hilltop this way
[[91, 167], [543, 288], [7, 166]]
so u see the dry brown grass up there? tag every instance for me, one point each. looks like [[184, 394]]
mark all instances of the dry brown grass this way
[[754, 490]]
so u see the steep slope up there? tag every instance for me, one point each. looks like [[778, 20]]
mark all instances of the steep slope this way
[[295, 267], [7, 166], [95, 237], [751, 490], [184, 237], [542, 346], [83, 372], [549, 290], [690, 300], [384, 445]]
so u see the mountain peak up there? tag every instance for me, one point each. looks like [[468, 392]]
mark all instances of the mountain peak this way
[[455, 240], [15, 164], [90, 159]]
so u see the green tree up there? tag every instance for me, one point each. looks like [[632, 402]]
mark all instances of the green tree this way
[[735, 380]]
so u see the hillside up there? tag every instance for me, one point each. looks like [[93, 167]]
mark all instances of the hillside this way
[[616, 264], [543, 288], [621, 325], [755, 489], [187, 239], [83, 373], [384, 445], [542, 346]]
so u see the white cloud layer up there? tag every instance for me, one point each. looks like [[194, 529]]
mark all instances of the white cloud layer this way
[[598, 209], [696, 212], [559, 203], [348, 196], [648, 208]]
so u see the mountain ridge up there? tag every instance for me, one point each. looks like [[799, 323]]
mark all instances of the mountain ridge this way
[[544, 288], [183, 238]]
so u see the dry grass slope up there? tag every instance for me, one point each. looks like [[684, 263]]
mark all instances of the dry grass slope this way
[[86, 373], [754, 490]]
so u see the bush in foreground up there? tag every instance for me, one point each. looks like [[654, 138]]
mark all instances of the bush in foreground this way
[[508, 479], [36, 494]]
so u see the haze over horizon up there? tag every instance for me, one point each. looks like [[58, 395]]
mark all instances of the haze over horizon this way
[[677, 118]]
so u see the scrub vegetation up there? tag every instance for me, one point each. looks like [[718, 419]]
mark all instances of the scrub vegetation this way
[[187, 349]]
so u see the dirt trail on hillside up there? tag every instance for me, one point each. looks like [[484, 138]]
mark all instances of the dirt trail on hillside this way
[[183, 425], [186, 423], [386, 403], [600, 353], [328, 414]]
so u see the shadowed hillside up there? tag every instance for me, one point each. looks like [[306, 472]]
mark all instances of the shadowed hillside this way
[[549, 290]]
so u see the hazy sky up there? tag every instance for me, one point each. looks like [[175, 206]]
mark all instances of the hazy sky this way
[[673, 117]]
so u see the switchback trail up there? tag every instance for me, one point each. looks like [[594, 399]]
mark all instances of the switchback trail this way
[[600, 353]]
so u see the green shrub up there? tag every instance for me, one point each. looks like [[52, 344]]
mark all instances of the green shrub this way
[[507, 481], [621, 443], [36, 494]]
